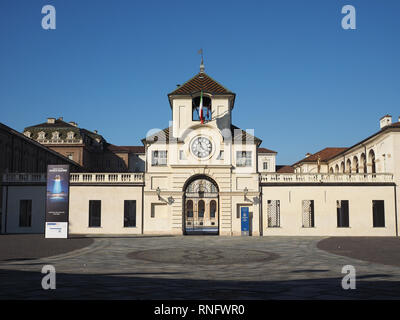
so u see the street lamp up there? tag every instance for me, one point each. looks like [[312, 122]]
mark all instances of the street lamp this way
[[245, 193], [158, 191]]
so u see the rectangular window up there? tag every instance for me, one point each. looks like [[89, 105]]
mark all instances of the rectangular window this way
[[308, 213], [129, 213], [182, 155], [378, 212], [94, 213], [159, 210], [221, 155], [274, 213], [265, 165], [342, 209], [25, 213], [243, 158], [159, 158]]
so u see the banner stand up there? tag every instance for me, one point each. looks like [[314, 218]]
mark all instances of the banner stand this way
[[57, 201]]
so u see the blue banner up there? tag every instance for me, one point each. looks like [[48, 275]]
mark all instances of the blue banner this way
[[244, 217]]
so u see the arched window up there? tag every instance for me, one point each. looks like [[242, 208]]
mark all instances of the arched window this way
[[201, 208], [213, 208], [355, 164], [330, 170], [206, 108], [342, 167], [348, 165], [371, 160], [189, 209], [337, 168], [363, 162]]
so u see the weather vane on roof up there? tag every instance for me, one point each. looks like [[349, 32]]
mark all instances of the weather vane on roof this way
[[202, 62]]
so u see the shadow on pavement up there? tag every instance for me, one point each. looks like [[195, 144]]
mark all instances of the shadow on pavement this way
[[27, 285], [384, 250]]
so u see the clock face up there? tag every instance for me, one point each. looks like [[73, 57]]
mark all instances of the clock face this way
[[201, 147]]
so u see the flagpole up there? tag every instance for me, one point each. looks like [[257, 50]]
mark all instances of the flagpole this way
[[201, 94]]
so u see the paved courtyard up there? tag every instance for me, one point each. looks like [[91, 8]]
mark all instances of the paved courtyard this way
[[202, 267]]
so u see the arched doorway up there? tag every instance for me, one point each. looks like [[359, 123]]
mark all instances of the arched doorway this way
[[200, 206]]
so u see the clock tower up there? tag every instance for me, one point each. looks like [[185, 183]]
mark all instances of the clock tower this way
[[217, 102]]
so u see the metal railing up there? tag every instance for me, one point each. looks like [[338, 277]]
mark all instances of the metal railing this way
[[325, 177]]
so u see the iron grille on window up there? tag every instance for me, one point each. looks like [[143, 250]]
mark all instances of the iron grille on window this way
[[308, 213], [273, 212]]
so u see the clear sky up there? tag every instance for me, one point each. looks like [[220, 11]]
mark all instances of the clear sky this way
[[302, 82]]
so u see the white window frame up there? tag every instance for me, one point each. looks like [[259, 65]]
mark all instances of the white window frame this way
[[244, 158], [159, 158], [42, 135]]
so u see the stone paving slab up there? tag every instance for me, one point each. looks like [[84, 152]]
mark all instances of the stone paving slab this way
[[113, 270]]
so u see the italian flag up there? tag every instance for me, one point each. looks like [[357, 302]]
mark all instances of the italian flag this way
[[201, 108]]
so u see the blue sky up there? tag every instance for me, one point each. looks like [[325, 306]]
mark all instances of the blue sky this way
[[302, 82]]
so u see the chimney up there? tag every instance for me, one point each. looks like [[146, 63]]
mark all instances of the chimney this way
[[95, 131], [308, 154], [51, 120], [60, 118], [73, 123], [385, 121]]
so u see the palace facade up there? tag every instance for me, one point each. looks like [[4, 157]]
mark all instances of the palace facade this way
[[194, 177]]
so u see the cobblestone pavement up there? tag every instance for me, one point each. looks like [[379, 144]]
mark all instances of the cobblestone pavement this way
[[199, 267]]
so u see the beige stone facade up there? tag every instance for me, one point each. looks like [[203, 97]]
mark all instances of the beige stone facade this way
[[196, 176]]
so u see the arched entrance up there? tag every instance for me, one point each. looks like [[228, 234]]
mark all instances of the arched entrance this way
[[200, 206]]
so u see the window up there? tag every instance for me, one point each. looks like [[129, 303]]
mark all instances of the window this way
[[159, 158], [55, 135], [265, 165], [201, 208], [42, 135], [342, 208], [25, 213], [189, 209], [94, 213], [129, 213], [182, 155], [221, 155], [243, 158], [206, 108], [378, 212], [213, 208], [273, 213], [308, 213], [70, 135]]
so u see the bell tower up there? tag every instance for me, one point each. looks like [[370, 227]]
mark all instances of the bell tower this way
[[201, 92]]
